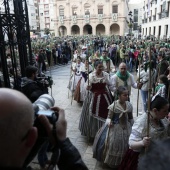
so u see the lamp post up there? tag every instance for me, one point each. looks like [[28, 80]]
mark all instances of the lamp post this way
[[130, 23], [139, 30]]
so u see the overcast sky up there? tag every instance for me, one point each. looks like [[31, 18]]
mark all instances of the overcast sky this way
[[135, 1]]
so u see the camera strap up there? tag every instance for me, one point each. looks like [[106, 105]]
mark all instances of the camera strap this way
[[55, 151]]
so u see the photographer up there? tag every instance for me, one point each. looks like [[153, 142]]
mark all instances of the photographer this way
[[18, 136], [30, 86]]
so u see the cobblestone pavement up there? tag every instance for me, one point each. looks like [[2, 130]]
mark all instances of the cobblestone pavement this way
[[63, 99]]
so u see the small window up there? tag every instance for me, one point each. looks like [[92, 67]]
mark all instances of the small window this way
[[115, 9], [74, 11], [87, 12], [135, 11], [100, 9], [61, 10]]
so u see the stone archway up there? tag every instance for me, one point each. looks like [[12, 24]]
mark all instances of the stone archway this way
[[115, 29], [62, 31], [87, 29], [100, 29], [75, 30]]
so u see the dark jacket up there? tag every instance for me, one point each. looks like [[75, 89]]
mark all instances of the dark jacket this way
[[32, 89], [40, 58], [70, 158]]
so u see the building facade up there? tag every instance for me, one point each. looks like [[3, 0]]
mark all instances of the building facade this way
[[137, 12], [32, 14], [156, 20], [47, 14], [82, 17]]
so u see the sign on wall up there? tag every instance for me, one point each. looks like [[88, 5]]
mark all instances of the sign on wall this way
[[74, 19], [114, 17], [87, 19], [61, 19], [100, 17]]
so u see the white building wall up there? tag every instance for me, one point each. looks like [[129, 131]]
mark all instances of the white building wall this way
[[156, 10]]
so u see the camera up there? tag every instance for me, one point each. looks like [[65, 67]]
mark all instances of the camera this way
[[45, 81], [42, 107]]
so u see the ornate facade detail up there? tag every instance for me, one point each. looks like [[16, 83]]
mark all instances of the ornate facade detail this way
[[114, 17], [100, 17], [87, 19], [74, 19], [61, 19]]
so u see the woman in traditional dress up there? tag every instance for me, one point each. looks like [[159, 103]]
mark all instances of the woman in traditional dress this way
[[158, 129], [95, 107], [76, 75], [111, 148], [80, 91]]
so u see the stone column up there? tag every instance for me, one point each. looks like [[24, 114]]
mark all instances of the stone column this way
[[68, 26], [107, 28], [93, 29], [81, 29]]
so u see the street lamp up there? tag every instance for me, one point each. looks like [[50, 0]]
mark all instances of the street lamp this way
[[130, 23], [139, 30]]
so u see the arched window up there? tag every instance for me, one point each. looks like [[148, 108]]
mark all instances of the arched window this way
[[61, 10]]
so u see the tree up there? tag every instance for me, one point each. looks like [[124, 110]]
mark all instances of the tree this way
[[47, 31]]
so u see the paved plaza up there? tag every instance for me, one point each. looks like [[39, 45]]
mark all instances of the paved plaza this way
[[63, 99]]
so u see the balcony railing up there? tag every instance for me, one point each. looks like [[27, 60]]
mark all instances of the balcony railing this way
[[75, 18]]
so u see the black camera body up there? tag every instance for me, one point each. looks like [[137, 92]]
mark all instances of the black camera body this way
[[45, 81]]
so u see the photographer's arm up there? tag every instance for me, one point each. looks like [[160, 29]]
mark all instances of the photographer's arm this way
[[70, 157]]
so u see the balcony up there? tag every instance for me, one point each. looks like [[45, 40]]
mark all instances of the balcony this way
[[46, 15], [46, 9], [86, 18]]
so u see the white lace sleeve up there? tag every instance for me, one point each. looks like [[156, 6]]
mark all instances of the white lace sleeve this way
[[137, 129]]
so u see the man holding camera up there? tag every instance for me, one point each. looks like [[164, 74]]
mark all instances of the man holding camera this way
[[32, 88], [18, 136]]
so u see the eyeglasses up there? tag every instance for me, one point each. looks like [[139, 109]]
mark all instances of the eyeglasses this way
[[123, 68]]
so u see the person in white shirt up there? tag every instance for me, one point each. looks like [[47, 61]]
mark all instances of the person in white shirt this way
[[123, 78]]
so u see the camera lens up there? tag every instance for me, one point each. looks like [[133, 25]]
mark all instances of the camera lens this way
[[45, 102]]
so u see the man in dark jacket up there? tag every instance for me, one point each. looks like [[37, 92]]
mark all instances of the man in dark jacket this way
[[30, 87], [18, 136], [40, 62], [162, 67]]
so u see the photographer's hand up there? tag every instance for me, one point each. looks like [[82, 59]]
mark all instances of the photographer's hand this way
[[61, 125]]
